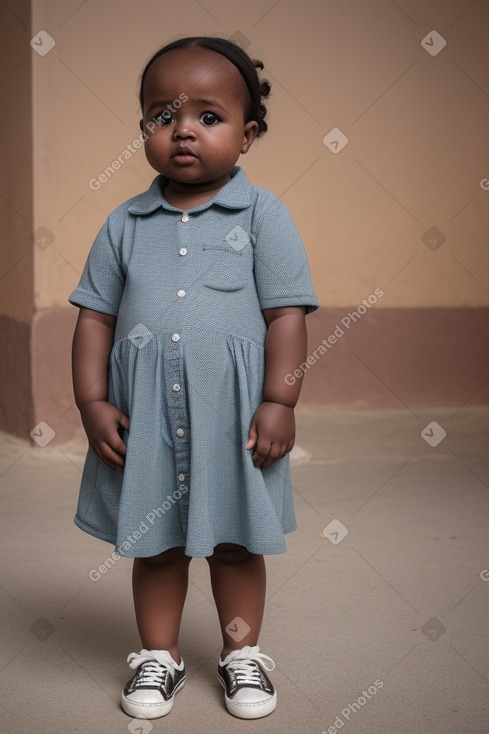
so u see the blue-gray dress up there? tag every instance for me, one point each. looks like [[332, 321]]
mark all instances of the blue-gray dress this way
[[187, 367]]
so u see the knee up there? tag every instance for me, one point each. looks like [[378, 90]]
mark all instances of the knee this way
[[229, 553], [172, 556]]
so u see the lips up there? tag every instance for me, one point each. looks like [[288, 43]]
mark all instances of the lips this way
[[184, 153]]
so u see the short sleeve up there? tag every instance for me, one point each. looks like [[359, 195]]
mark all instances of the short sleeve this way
[[281, 269], [102, 282]]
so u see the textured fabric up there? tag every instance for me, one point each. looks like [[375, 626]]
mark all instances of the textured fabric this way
[[187, 366]]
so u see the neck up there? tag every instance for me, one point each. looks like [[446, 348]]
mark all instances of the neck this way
[[177, 193]]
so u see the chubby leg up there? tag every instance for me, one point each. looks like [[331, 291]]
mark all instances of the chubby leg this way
[[160, 587], [238, 580]]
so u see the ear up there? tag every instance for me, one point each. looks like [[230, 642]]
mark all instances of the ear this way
[[250, 133], [141, 125]]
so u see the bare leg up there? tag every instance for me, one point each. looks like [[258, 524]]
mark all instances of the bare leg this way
[[238, 580], [160, 587]]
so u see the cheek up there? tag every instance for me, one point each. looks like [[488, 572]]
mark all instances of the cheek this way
[[155, 144], [153, 156], [223, 139]]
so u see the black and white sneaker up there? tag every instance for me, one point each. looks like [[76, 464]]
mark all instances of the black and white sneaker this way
[[248, 692], [151, 691]]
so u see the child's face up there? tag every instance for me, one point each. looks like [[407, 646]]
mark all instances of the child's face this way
[[210, 123]]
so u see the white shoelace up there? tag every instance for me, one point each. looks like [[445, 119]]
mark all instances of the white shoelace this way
[[244, 665], [156, 664]]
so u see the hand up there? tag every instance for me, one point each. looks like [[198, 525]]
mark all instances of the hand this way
[[102, 422], [272, 433]]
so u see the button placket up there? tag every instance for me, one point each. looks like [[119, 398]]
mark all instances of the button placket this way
[[183, 251], [177, 398], [178, 416]]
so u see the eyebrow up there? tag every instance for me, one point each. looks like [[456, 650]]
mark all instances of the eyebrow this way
[[165, 103], [212, 103]]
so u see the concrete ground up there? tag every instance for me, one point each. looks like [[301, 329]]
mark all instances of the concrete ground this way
[[377, 615]]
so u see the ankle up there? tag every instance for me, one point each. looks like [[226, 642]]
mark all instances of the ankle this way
[[225, 652], [174, 652]]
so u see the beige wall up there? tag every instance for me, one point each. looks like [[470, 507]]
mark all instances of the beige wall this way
[[417, 152], [417, 126]]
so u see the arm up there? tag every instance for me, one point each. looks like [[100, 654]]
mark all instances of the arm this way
[[92, 343], [272, 428]]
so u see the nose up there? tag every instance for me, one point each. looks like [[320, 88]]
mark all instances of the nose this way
[[183, 129]]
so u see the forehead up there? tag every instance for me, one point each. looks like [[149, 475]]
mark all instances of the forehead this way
[[194, 71]]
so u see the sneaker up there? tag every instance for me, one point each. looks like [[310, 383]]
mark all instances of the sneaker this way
[[151, 691], [248, 692]]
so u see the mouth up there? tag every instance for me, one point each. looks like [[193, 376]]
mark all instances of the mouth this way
[[184, 155]]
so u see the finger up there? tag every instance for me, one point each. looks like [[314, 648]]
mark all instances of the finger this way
[[261, 452], [124, 421], [277, 451], [111, 457], [105, 460], [117, 444], [252, 436]]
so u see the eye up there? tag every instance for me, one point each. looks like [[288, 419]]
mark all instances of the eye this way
[[209, 119], [164, 118]]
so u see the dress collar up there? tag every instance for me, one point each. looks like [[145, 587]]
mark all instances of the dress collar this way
[[235, 194]]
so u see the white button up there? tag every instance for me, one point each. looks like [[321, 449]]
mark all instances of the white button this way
[[181, 477], [176, 387], [180, 432], [181, 294], [182, 251], [175, 337], [185, 217]]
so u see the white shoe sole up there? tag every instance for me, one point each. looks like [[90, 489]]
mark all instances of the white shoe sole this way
[[249, 710], [149, 710]]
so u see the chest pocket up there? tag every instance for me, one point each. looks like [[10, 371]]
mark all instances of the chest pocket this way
[[227, 268]]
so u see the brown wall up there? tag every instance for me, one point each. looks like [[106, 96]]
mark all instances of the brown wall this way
[[403, 207], [16, 216]]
